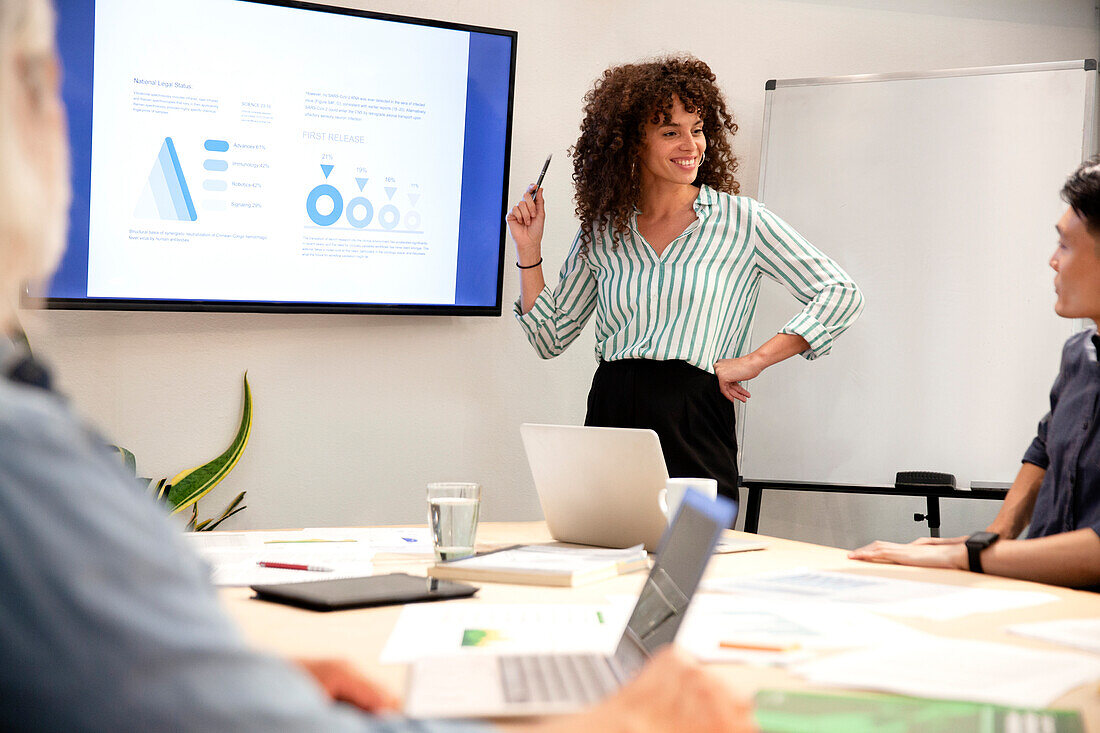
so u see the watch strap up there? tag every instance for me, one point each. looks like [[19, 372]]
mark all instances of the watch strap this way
[[974, 555], [975, 543]]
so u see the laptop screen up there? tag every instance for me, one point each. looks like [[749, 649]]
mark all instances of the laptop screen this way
[[683, 556]]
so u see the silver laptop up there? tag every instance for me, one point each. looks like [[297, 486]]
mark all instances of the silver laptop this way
[[598, 486], [486, 686]]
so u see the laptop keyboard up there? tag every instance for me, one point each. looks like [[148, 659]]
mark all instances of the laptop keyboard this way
[[556, 678]]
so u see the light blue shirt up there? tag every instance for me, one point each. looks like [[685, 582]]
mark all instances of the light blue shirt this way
[[107, 621]]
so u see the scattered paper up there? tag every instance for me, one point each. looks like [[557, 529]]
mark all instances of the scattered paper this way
[[724, 628], [737, 544], [445, 629], [233, 556], [408, 540], [1082, 633], [957, 669], [883, 595]]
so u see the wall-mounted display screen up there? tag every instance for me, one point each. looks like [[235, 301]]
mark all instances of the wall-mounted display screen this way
[[252, 155]]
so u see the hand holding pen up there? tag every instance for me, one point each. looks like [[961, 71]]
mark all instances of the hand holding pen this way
[[538, 183], [525, 223]]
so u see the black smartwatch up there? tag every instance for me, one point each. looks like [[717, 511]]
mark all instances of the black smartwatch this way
[[975, 543]]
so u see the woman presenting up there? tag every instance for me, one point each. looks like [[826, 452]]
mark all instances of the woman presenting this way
[[669, 258]]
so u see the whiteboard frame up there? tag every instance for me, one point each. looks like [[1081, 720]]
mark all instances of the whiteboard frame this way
[[1082, 64], [1088, 142]]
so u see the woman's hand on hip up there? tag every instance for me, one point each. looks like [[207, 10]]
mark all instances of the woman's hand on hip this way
[[525, 222], [731, 372]]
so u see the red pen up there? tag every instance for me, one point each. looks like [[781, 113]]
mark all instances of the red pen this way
[[292, 566]]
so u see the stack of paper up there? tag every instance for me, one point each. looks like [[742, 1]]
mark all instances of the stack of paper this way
[[544, 565]]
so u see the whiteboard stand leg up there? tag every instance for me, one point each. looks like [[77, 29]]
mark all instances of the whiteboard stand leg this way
[[752, 509], [933, 516]]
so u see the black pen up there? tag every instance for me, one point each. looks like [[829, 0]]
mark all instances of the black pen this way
[[541, 176]]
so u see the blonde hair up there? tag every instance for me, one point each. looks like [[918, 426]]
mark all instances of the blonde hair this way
[[32, 230]]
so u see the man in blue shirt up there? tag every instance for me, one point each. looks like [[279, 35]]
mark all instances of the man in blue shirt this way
[[107, 621], [1057, 490]]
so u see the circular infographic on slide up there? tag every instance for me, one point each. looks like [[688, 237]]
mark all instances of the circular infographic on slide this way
[[412, 220], [359, 212], [334, 206], [389, 216]]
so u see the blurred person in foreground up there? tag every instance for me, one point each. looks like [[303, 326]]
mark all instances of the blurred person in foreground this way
[[107, 621]]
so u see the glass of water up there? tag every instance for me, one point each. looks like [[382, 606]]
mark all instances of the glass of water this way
[[452, 516]]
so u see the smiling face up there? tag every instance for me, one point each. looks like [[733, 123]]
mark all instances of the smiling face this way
[[672, 149], [1076, 263]]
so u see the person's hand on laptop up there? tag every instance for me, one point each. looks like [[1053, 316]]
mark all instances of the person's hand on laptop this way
[[673, 693], [343, 683]]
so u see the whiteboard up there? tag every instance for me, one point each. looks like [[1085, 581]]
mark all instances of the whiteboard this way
[[938, 193]]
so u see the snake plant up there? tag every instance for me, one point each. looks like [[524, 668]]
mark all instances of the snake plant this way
[[183, 491]]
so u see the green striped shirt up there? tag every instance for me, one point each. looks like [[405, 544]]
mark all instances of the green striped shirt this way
[[696, 301]]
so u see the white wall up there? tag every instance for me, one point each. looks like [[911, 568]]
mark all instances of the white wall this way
[[353, 414]]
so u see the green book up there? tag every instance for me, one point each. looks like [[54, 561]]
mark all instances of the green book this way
[[781, 711]]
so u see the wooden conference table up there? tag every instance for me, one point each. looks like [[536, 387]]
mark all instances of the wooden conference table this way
[[359, 635]]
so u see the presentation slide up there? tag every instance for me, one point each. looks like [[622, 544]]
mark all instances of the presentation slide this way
[[241, 151]]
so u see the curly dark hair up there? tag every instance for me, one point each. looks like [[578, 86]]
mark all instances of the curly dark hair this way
[[616, 111]]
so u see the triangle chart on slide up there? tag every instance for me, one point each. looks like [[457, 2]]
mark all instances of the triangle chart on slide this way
[[166, 195]]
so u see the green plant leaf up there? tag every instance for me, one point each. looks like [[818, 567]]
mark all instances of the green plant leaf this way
[[191, 485], [128, 459], [158, 488], [222, 518], [228, 512], [232, 505]]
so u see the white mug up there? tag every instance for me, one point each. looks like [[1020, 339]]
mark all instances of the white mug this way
[[669, 498]]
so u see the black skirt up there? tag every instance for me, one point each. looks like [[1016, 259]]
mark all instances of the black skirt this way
[[682, 404]]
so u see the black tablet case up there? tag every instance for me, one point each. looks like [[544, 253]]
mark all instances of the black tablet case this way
[[374, 590]]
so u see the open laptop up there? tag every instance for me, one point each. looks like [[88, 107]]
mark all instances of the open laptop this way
[[598, 486], [485, 686]]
